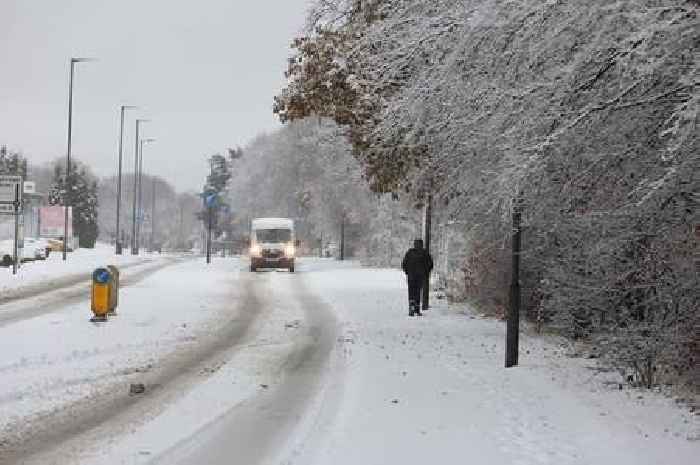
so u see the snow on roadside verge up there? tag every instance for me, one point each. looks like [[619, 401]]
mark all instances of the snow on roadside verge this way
[[434, 390], [53, 269]]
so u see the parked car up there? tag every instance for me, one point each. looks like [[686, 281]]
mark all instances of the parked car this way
[[34, 250], [57, 245], [6, 252], [44, 243]]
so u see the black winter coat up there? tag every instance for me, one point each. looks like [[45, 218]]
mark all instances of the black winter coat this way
[[417, 263]]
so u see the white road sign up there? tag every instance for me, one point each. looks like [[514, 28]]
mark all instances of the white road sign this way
[[8, 193]]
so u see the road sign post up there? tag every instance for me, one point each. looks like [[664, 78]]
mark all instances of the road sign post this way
[[15, 250], [11, 204], [210, 200]]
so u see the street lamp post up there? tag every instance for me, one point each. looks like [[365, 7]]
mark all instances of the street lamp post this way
[[153, 215], [118, 244], [134, 245], [66, 196], [140, 192]]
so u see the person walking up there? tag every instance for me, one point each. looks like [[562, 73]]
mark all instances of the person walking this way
[[417, 264]]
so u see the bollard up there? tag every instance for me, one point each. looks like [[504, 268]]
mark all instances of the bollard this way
[[101, 289], [114, 291]]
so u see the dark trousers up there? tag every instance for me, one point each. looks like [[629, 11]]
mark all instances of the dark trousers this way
[[415, 286]]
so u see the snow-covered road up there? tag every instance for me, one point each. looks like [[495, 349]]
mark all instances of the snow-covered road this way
[[63, 375], [318, 367]]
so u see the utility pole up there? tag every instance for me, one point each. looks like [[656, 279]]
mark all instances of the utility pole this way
[[118, 241], [140, 215], [137, 141], [134, 250], [513, 317], [427, 229], [67, 185], [141, 200]]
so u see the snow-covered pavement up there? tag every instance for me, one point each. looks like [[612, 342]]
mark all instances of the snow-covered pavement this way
[[313, 368], [434, 390]]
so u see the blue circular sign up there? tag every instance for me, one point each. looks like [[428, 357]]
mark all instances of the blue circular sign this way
[[101, 275]]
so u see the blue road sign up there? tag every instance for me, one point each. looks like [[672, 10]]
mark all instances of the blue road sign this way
[[101, 275], [211, 199]]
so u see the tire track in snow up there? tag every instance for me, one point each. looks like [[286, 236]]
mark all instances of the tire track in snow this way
[[259, 428]]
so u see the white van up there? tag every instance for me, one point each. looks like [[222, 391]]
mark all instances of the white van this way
[[272, 243]]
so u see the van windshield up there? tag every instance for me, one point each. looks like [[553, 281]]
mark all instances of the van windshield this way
[[273, 235]]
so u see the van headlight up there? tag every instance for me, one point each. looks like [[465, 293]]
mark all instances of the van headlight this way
[[289, 251], [255, 251]]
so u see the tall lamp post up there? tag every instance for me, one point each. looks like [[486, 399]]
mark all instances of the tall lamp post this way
[[73, 61], [118, 243], [134, 245], [140, 191], [153, 215]]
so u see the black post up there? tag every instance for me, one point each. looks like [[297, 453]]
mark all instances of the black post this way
[[513, 317], [342, 237], [427, 229], [210, 213]]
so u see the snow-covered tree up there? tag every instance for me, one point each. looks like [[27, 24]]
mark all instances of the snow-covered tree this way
[[82, 196], [306, 171], [586, 113], [12, 163]]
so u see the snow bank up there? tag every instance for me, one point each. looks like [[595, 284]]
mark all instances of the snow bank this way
[[48, 272]]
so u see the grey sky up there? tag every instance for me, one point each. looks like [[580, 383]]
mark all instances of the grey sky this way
[[204, 71]]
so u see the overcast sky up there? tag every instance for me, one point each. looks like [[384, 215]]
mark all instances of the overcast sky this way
[[204, 71]]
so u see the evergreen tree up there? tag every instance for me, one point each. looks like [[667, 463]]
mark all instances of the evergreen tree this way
[[82, 197], [218, 182], [12, 163]]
